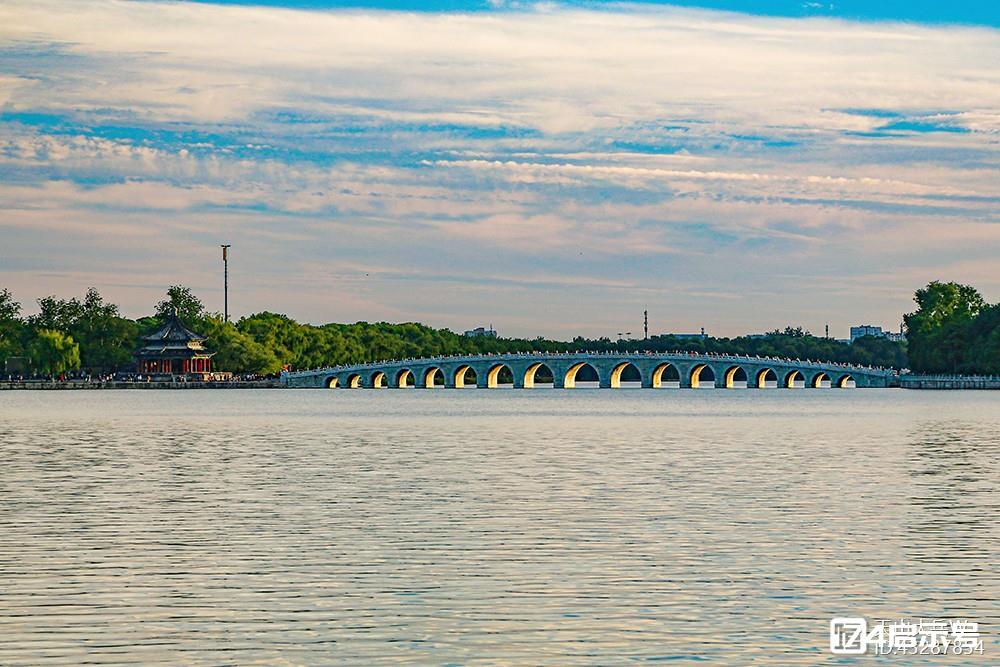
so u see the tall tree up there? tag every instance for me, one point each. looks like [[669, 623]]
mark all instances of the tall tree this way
[[107, 340], [181, 300], [937, 329], [11, 327], [53, 352], [56, 314]]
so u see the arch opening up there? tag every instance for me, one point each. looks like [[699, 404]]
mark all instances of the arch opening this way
[[626, 374], [702, 377], [736, 378], [433, 377], [666, 376], [378, 380], [767, 379], [795, 380], [499, 376], [581, 372], [538, 375], [332, 382], [354, 381], [465, 376], [846, 382], [404, 379], [821, 381]]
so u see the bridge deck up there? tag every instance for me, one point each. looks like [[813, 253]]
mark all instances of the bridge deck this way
[[653, 370]]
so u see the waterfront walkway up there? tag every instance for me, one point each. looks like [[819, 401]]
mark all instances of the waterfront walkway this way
[[950, 381], [56, 385]]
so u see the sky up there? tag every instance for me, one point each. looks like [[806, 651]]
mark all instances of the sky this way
[[547, 168]]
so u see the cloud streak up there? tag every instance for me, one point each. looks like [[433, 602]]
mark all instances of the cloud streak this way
[[707, 152]]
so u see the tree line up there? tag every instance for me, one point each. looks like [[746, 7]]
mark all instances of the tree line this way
[[91, 335], [953, 330]]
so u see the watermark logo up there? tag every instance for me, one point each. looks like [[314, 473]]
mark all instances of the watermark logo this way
[[848, 636], [855, 636]]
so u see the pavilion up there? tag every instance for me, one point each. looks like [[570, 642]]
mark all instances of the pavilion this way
[[173, 349]]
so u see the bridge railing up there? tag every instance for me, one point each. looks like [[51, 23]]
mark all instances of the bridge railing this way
[[976, 378], [372, 365]]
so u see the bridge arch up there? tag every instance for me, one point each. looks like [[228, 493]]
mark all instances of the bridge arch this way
[[331, 382], [430, 377], [736, 378], [820, 381], [540, 372], [404, 378], [497, 373], [794, 380], [666, 373], [354, 380], [626, 368], [846, 382], [767, 378], [378, 380], [569, 381], [702, 376], [462, 376]]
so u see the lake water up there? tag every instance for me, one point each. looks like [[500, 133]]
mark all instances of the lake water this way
[[487, 527]]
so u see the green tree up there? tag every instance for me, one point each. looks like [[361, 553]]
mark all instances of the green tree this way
[[107, 340], [56, 314], [11, 327], [53, 352], [9, 309], [937, 332], [236, 351], [181, 300]]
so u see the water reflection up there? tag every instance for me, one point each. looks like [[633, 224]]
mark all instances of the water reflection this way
[[547, 527]]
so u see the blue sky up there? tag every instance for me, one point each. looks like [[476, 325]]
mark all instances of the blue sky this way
[[549, 168], [981, 12]]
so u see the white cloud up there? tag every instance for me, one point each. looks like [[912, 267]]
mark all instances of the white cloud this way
[[612, 145]]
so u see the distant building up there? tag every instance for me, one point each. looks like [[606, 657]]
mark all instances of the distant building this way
[[863, 330], [877, 332], [688, 335], [479, 332], [173, 349]]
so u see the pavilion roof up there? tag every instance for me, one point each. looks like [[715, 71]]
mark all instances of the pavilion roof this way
[[174, 331], [173, 339]]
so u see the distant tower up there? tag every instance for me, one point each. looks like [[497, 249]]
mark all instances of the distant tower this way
[[645, 325], [703, 332], [225, 279], [828, 330]]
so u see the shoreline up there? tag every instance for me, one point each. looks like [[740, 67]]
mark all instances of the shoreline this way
[[949, 382], [42, 385]]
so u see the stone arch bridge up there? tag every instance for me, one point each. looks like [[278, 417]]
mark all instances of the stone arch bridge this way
[[601, 369]]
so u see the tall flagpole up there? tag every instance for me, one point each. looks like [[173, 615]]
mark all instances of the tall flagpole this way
[[225, 273]]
